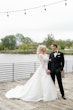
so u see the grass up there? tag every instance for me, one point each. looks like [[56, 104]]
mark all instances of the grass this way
[[32, 51]]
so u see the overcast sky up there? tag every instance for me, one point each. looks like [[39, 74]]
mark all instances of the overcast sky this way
[[37, 23]]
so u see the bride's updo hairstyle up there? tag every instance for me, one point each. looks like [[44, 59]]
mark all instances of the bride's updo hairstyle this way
[[39, 49]]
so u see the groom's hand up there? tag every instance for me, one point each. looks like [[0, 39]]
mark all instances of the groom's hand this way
[[48, 71]]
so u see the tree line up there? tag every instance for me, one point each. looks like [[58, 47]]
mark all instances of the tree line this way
[[26, 44], [62, 44]]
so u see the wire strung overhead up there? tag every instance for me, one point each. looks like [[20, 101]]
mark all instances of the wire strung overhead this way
[[32, 8]]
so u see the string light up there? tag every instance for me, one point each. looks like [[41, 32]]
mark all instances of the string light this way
[[54, 3], [65, 2], [7, 14], [44, 8], [25, 11]]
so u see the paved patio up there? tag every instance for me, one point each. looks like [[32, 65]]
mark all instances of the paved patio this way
[[59, 104]]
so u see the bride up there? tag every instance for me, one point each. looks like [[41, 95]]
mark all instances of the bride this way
[[40, 86]]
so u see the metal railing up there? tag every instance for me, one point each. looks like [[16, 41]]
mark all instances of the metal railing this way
[[17, 71]]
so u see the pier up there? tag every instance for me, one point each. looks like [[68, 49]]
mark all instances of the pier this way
[[59, 104]]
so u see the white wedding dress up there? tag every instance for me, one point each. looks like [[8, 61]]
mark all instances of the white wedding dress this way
[[39, 87]]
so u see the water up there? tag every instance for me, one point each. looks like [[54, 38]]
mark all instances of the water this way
[[19, 58], [14, 58]]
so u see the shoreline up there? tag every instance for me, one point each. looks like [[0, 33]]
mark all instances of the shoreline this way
[[65, 53]]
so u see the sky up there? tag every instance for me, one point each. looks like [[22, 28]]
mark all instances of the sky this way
[[37, 23]]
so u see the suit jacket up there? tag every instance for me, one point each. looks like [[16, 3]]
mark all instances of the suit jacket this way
[[56, 63]]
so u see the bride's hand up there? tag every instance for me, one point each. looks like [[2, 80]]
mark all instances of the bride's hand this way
[[48, 71], [50, 60]]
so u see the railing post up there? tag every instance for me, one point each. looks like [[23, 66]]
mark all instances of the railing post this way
[[66, 66], [34, 66], [72, 68], [13, 72]]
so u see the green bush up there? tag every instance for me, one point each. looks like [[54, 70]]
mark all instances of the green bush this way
[[1, 47]]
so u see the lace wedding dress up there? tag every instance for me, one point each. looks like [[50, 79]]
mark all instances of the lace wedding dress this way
[[39, 87]]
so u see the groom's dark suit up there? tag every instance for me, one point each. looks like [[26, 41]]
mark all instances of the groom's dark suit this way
[[56, 66]]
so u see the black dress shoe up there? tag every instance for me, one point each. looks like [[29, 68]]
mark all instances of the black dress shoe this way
[[64, 97]]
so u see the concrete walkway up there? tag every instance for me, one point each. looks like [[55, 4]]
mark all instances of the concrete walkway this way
[[59, 104]]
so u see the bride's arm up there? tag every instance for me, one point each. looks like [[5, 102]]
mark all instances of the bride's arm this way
[[42, 60]]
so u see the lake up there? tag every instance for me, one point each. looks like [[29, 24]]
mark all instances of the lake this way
[[21, 58]]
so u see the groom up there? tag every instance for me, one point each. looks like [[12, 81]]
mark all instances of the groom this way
[[56, 65]]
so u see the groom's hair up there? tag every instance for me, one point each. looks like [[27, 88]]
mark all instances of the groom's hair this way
[[55, 45]]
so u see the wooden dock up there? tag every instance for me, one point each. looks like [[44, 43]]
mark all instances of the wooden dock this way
[[59, 104]]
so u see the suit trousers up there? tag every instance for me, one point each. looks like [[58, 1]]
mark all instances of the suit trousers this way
[[59, 80]]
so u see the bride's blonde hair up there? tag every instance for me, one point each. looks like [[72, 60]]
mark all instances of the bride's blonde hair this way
[[40, 47]]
